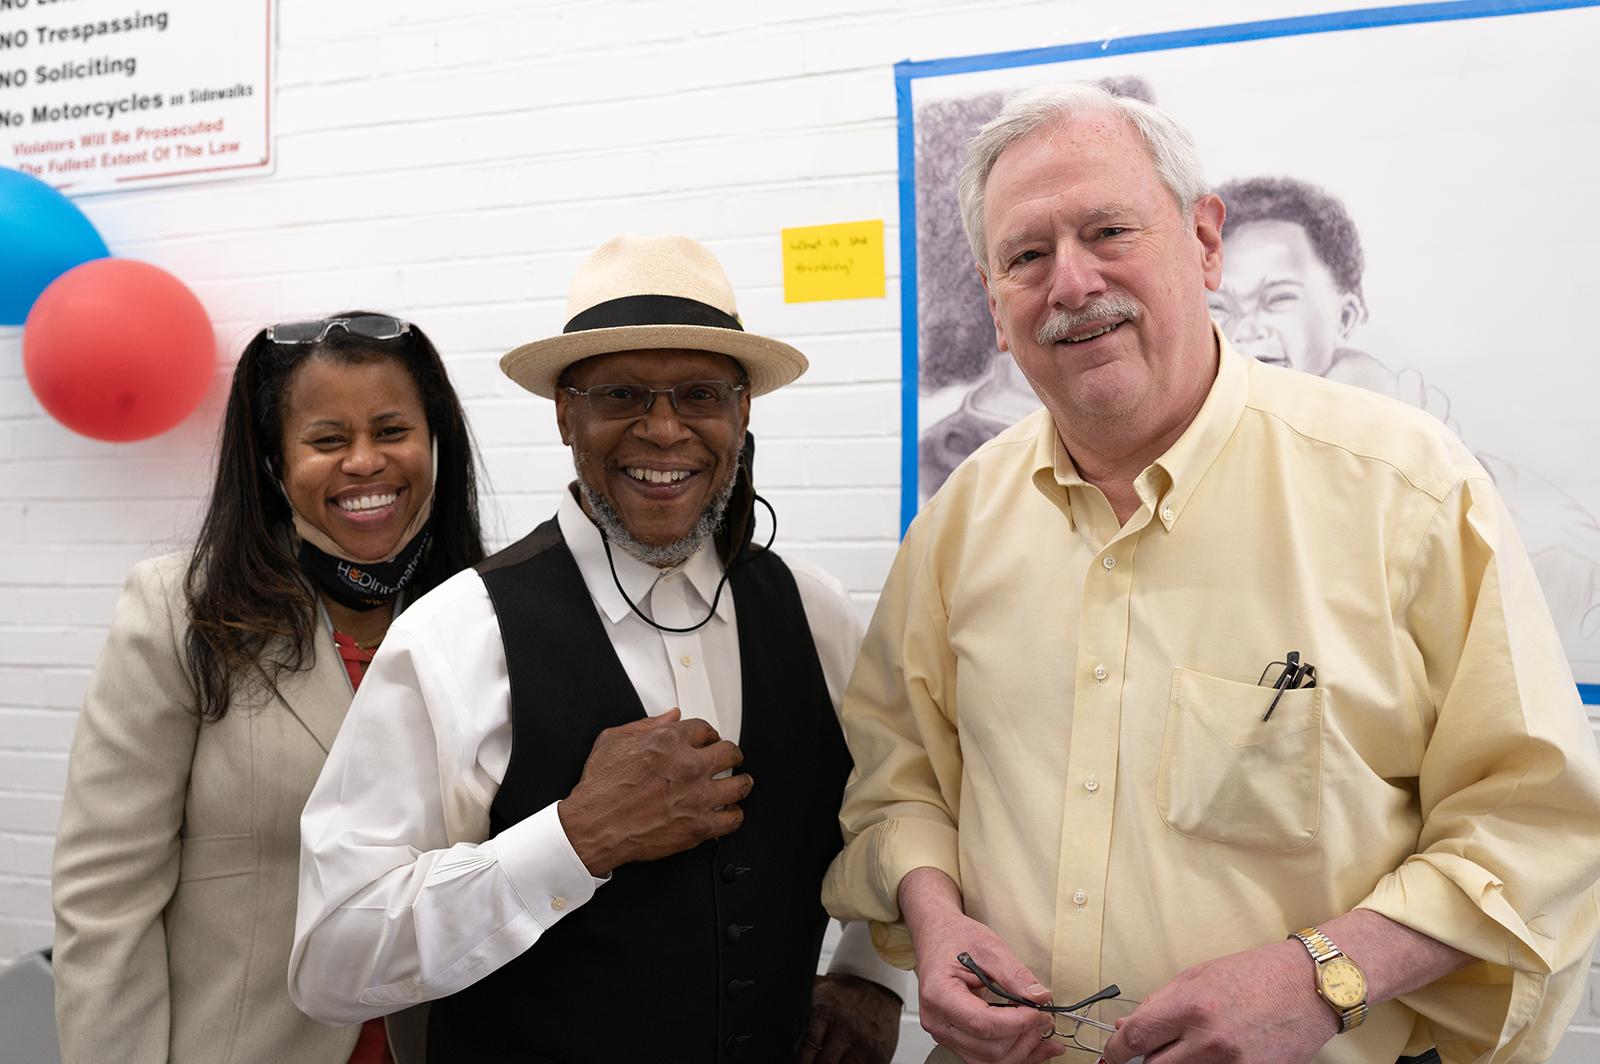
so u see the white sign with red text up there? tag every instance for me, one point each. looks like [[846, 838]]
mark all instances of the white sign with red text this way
[[97, 95]]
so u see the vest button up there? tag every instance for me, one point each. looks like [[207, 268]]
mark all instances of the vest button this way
[[735, 1044], [739, 986], [737, 931], [731, 872]]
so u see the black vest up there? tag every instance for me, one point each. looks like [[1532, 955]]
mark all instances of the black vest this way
[[702, 956]]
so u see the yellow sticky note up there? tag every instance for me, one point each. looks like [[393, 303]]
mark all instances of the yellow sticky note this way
[[843, 261]]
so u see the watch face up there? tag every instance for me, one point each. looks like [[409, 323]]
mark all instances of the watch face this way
[[1342, 983]]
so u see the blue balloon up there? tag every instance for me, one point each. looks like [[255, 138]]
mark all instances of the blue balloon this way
[[43, 235]]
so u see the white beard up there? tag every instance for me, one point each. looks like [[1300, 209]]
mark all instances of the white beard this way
[[665, 555]]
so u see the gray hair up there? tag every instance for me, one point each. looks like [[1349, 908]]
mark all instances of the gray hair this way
[[1171, 148]]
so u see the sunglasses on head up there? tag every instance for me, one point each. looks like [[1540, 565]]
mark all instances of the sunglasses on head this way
[[366, 326]]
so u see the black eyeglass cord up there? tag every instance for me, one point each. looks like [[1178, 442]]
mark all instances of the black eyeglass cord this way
[[744, 556]]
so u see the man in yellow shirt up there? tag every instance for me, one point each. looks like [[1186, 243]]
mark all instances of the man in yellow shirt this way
[[1205, 654]]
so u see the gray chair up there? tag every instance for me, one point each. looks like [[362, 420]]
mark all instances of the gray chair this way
[[28, 1012]]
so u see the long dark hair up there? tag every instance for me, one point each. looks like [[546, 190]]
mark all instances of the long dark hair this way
[[251, 610]]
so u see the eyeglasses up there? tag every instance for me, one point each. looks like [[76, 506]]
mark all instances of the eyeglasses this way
[[1074, 1025], [366, 326], [691, 399], [1293, 675]]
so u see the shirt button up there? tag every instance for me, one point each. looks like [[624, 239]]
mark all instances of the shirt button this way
[[1109, 562], [1091, 785], [558, 904], [686, 661], [1079, 898], [1166, 514], [1100, 673]]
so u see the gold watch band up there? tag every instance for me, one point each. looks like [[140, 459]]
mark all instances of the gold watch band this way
[[1350, 1018], [1319, 945]]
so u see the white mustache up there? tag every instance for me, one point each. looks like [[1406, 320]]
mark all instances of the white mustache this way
[[1107, 310]]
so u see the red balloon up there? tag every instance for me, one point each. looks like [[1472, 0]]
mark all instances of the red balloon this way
[[118, 350]]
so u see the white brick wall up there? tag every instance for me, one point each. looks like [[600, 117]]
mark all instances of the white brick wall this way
[[453, 163]]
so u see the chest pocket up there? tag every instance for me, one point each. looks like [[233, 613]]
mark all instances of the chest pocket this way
[[1227, 776]]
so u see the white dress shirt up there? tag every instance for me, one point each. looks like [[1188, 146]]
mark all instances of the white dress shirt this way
[[404, 898]]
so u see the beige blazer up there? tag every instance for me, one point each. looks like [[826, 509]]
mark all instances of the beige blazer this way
[[176, 866]]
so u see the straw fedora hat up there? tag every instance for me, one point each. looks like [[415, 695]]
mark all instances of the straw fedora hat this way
[[638, 293]]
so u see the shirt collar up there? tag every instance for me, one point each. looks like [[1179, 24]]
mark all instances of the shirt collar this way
[[1053, 469], [703, 570], [1170, 481], [1178, 473]]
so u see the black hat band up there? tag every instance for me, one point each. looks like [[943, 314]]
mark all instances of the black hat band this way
[[651, 310]]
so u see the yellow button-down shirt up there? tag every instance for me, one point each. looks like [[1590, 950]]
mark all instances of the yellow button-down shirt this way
[[1064, 716]]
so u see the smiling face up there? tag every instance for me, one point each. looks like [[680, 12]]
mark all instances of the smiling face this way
[[357, 460], [1096, 280], [659, 473], [1278, 302]]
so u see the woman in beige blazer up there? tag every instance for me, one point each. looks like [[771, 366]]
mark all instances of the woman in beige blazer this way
[[344, 483]]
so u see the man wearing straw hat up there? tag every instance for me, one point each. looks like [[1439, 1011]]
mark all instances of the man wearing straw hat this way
[[587, 794]]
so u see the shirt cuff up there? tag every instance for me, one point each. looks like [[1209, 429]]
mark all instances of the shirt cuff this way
[[1491, 1006], [864, 881], [544, 869], [1459, 903], [855, 956]]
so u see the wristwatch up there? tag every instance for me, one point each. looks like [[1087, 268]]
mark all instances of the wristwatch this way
[[1339, 982]]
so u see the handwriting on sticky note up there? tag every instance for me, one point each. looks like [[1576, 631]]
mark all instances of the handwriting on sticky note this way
[[841, 261]]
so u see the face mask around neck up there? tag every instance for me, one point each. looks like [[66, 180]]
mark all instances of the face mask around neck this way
[[363, 586]]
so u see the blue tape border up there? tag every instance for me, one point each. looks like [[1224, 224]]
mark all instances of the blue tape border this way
[[910, 358], [908, 70], [1590, 693]]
